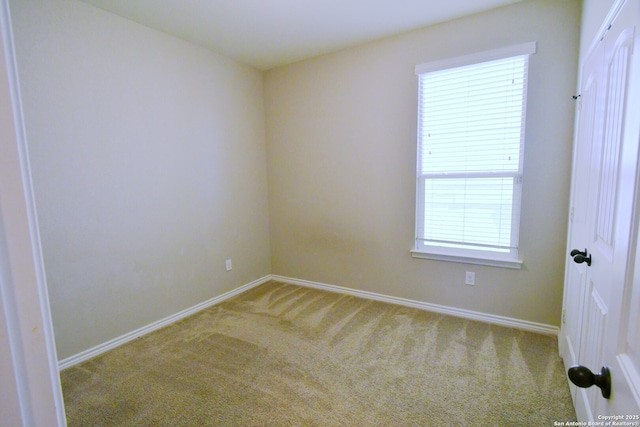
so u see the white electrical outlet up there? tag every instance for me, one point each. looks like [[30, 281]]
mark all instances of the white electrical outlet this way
[[227, 265], [470, 278]]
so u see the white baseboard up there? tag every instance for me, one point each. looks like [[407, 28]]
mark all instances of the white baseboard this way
[[539, 328], [116, 342], [451, 311]]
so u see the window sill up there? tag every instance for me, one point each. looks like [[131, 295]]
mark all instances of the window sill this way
[[494, 262]]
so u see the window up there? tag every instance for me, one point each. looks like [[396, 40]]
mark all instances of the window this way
[[471, 118]]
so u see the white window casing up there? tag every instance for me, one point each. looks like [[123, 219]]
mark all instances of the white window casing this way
[[471, 121]]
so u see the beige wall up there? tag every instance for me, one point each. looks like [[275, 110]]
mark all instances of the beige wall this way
[[341, 136], [149, 168]]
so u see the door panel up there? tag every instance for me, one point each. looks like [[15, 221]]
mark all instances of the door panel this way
[[592, 355]]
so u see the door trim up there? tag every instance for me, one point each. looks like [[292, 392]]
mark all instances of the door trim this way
[[31, 353]]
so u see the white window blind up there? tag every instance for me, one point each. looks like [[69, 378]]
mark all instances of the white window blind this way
[[470, 154]]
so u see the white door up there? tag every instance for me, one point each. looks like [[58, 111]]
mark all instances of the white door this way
[[589, 129], [600, 325]]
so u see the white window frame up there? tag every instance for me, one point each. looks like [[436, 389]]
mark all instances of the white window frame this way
[[508, 259]]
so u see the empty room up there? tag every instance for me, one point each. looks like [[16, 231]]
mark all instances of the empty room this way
[[406, 213]]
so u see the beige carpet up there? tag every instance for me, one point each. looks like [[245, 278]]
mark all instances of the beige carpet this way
[[283, 355]]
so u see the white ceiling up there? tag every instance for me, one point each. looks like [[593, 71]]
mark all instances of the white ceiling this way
[[269, 33]]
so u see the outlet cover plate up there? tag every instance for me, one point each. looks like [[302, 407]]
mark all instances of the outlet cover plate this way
[[470, 278]]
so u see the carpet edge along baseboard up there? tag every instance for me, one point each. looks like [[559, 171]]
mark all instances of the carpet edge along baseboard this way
[[526, 325]]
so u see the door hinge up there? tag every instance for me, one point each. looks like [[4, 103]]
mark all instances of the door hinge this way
[[564, 316]]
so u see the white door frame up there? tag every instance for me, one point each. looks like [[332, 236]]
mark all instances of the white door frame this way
[[30, 393]]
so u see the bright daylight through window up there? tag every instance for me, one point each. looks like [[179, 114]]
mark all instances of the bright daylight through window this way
[[471, 119]]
